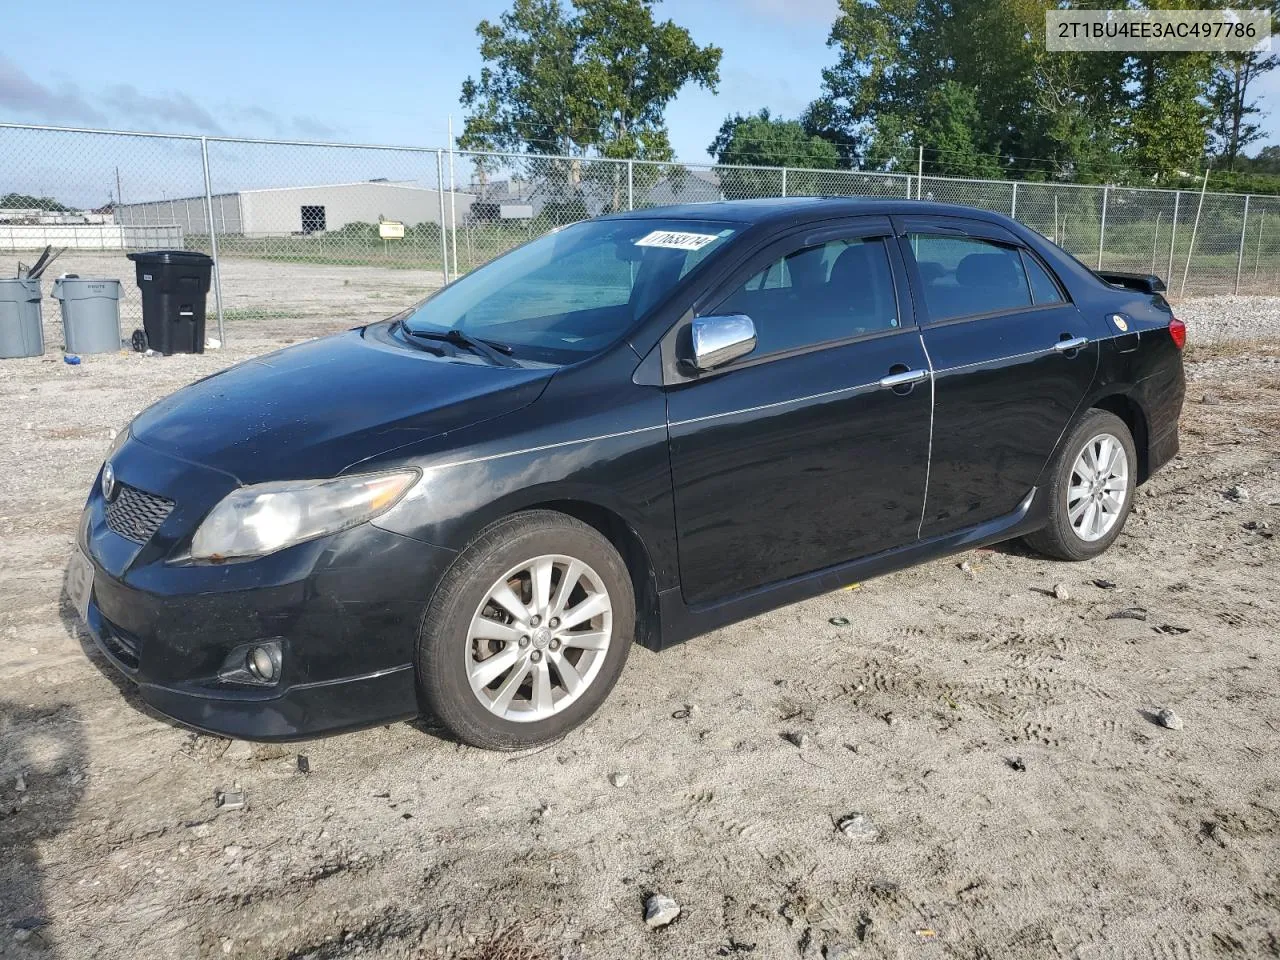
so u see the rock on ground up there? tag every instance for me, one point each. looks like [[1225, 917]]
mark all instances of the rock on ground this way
[[660, 910]]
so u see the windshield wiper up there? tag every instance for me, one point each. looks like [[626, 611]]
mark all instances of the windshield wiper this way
[[496, 353], [423, 343]]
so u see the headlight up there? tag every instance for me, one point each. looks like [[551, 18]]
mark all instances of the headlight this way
[[266, 517], [117, 443]]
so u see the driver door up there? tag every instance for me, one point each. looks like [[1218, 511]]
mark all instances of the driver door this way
[[796, 456]]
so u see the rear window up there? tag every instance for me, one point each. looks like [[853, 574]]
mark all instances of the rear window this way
[[965, 276]]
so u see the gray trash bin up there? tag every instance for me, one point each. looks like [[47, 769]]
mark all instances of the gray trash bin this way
[[90, 313], [21, 329]]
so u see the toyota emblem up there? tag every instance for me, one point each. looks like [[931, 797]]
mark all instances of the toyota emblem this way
[[108, 481]]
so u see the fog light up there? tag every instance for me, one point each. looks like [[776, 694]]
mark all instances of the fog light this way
[[257, 664], [264, 663]]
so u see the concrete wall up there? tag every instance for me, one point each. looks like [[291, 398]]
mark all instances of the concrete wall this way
[[279, 211], [15, 237]]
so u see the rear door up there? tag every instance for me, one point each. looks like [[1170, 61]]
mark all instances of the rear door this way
[[796, 457], [1011, 358]]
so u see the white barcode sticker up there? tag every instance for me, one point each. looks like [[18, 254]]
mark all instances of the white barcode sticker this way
[[673, 240]]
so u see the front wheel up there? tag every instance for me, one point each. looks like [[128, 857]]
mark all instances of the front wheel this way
[[527, 632], [1091, 485]]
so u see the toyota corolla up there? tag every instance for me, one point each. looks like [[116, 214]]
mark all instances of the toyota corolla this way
[[638, 428]]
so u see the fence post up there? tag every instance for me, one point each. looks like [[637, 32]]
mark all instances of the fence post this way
[[784, 181], [1257, 257], [1240, 256], [213, 239], [1102, 225], [1195, 228], [920, 173], [631, 183], [453, 202], [1173, 233], [1155, 240], [1013, 205], [444, 240]]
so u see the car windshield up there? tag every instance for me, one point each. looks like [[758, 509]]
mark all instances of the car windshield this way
[[573, 292]]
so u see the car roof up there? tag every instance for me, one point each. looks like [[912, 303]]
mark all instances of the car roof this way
[[802, 209]]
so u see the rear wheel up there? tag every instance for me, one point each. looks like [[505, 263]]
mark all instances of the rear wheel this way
[[1090, 490], [527, 633]]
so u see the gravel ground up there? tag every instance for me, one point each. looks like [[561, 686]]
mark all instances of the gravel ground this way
[[275, 301], [1230, 318], [1019, 798]]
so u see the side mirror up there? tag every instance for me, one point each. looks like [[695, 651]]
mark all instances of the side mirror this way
[[718, 340]]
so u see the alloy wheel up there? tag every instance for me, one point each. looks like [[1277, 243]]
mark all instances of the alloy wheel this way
[[539, 638], [1098, 488]]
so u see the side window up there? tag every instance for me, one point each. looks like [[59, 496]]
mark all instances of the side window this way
[[1043, 289], [830, 291], [963, 276]]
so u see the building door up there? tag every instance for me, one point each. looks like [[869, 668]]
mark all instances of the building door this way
[[313, 220]]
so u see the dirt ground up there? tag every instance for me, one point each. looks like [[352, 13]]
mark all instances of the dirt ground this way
[[262, 300], [1001, 739]]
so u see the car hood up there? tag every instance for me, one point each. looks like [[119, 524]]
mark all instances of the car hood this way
[[316, 409]]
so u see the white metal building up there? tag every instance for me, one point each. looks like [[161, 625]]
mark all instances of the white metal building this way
[[299, 210]]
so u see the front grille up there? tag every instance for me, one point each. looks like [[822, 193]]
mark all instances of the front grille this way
[[135, 514]]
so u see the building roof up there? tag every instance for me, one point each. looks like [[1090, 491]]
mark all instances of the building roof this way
[[800, 209], [401, 184]]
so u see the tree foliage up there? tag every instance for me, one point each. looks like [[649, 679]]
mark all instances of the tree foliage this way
[[591, 77], [24, 201], [973, 84], [762, 140]]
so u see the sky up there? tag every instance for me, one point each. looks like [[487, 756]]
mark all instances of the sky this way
[[376, 72]]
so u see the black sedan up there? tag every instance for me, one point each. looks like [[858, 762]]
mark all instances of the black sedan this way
[[640, 427]]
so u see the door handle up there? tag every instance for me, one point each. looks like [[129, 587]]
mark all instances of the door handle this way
[[904, 379], [1066, 346]]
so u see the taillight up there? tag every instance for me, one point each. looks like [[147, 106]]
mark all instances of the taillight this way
[[1178, 331]]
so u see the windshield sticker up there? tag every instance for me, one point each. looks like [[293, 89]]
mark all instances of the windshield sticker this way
[[672, 240]]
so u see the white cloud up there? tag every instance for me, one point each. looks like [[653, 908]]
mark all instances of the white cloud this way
[[20, 93]]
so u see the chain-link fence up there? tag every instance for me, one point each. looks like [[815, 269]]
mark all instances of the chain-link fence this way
[[332, 234]]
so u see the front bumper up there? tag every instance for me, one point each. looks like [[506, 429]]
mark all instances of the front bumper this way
[[345, 609], [296, 712]]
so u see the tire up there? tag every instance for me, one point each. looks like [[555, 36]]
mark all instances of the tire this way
[[1086, 535], [465, 628]]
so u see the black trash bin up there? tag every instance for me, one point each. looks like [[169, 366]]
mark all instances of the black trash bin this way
[[174, 285]]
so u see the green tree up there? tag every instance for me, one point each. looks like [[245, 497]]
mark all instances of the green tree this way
[[1266, 162], [1234, 114], [761, 140], [975, 86], [1168, 117], [590, 77], [24, 201], [906, 67]]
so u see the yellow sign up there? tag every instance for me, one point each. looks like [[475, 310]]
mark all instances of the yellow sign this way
[[391, 230]]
